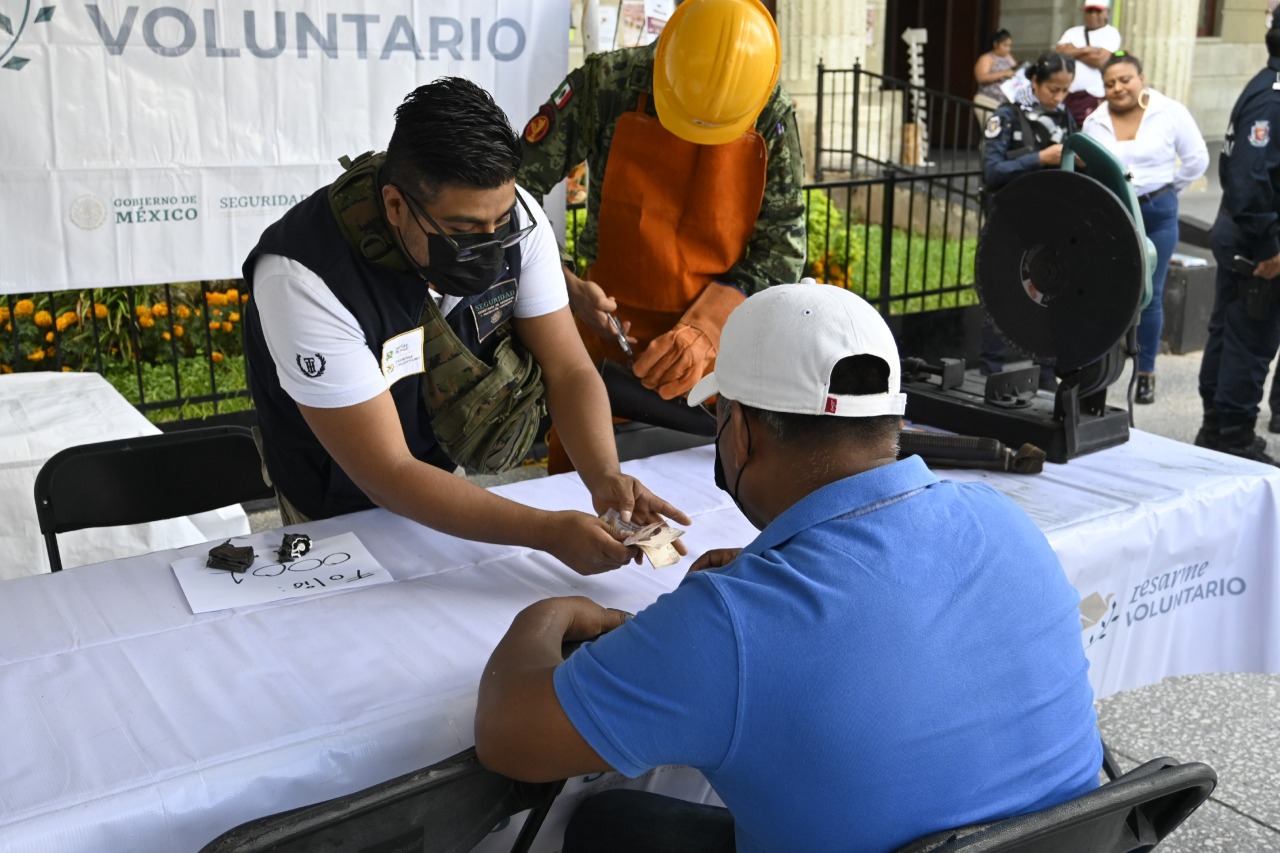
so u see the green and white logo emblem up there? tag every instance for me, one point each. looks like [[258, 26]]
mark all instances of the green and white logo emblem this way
[[15, 17]]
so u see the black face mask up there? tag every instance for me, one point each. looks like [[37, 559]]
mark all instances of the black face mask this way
[[448, 276], [721, 482]]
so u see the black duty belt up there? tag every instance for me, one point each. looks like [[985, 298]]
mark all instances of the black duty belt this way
[[1152, 196]]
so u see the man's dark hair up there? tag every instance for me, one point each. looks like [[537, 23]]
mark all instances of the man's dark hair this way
[[1273, 41], [450, 132], [855, 374]]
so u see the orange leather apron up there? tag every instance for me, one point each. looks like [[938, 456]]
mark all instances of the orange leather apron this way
[[673, 217]]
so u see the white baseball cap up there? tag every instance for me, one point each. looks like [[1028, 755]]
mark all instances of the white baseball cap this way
[[1098, 4], [778, 348]]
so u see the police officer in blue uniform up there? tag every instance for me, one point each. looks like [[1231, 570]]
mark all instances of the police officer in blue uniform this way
[[1020, 138], [1244, 328], [1027, 135]]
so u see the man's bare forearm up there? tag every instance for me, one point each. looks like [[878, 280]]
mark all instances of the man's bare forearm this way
[[521, 728], [1094, 57], [451, 504]]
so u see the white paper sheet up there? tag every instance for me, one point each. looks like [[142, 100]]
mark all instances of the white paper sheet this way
[[338, 563]]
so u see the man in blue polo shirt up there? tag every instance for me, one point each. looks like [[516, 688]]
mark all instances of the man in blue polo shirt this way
[[892, 655]]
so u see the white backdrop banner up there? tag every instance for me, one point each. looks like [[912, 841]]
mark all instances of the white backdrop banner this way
[[146, 143]]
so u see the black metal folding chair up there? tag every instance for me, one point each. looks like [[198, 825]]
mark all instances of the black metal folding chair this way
[[448, 807], [1129, 815], [149, 478]]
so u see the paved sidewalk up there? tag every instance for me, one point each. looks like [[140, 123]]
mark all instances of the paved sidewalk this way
[[1228, 721]]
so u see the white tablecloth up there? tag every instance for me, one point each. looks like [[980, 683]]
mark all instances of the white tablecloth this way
[[131, 724], [1180, 544], [42, 413]]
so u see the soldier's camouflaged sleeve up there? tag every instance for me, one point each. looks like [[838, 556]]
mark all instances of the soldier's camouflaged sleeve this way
[[776, 250], [582, 129], [549, 157]]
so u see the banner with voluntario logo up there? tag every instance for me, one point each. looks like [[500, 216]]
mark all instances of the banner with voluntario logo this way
[[1175, 552], [147, 142]]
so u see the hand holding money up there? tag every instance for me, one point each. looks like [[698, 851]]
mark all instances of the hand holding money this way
[[654, 540], [657, 542], [619, 528]]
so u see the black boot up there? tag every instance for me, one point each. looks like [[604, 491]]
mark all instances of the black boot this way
[[1210, 426], [1146, 394], [1210, 434], [1240, 440]]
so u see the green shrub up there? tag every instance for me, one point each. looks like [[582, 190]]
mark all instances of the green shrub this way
[[575, 221], [197, 377]]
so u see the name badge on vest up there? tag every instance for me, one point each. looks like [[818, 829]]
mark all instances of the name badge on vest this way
[[493, 308], [402, 355]]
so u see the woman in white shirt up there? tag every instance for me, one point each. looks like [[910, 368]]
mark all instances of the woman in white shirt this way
[[1158, 142]]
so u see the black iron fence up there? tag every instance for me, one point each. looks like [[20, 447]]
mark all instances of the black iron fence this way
[[867, 122], [902, 234], [905, 242]]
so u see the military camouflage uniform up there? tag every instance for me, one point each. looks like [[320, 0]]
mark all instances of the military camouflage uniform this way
[[608, 85]]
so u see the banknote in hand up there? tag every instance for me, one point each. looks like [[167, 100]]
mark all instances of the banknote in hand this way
[[654, 540], [619, 528]]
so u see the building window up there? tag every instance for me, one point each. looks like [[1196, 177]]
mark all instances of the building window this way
[[1209, 23]]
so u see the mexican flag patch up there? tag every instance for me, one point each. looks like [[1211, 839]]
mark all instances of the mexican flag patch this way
[[562, 95]]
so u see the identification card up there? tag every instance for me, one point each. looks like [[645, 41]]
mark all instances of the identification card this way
[[402, 355], [493, 308]]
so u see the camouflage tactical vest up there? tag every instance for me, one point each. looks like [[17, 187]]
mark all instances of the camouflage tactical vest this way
[[484, 415]]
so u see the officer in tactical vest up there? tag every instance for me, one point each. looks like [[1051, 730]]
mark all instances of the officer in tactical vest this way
[[694, 199], [412, 317], [1027, 135]]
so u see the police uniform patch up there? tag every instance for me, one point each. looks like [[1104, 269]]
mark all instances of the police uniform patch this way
[[993, 127], [563, 95], [494, 307], [540, 124], [1260, 133]]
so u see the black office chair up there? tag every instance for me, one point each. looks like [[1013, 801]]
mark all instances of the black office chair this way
[[448, 807], [1130, 815], [149, 478]]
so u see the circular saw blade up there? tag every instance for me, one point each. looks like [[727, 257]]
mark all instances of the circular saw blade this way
[[1060, 267]]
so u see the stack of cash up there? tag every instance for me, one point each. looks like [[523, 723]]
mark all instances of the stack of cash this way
[[655, 540]]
